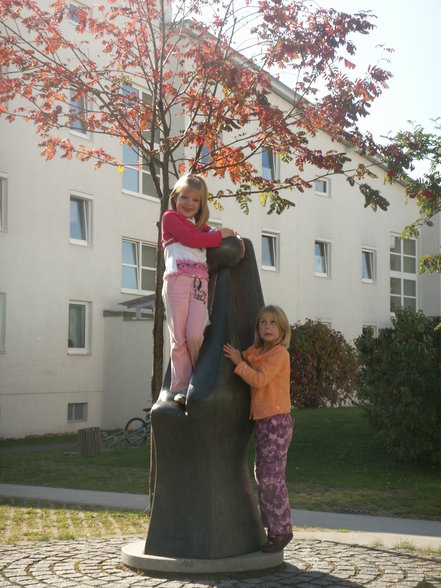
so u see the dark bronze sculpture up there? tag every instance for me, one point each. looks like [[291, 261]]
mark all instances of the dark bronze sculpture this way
[[203, 506]]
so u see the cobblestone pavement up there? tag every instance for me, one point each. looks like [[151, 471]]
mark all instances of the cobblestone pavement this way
[[308, 563]]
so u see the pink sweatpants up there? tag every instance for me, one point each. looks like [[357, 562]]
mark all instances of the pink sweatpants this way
[[185, 300]]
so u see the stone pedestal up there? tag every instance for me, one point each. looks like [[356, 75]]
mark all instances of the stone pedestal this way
[[134, 557]]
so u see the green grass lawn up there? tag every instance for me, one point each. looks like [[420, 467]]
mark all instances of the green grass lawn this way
[[334, 464], [36, 520]]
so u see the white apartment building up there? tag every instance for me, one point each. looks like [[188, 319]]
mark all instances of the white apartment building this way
[[77, 245]]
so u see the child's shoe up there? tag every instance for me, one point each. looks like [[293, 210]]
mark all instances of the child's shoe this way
[[180, 398], [277, 543]]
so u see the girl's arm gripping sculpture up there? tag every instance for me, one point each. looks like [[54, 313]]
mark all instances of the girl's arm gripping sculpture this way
[[266, 371], [181, 230]]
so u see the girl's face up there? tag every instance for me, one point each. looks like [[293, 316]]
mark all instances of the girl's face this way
[[269, 331], [188, 203]]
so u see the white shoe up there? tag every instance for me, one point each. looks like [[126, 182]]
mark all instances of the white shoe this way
[[180, 398]]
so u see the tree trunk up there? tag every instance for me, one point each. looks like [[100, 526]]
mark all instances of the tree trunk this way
[[158, 342], [158, 328]]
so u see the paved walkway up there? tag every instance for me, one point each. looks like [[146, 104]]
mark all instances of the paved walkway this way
[[308, 563], [316, 557]]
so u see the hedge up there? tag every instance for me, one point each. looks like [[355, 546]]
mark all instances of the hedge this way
[[399, 383], [323, 366]]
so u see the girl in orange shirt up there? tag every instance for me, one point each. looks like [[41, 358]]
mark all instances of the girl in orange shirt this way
[[265, 366]]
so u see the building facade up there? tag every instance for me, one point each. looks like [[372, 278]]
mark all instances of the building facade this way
[[77, 245]]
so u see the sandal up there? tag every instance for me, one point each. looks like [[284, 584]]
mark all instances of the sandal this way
[[277, 543]]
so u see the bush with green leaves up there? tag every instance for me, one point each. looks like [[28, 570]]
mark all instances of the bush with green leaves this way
[[323, 366], [399, 383]]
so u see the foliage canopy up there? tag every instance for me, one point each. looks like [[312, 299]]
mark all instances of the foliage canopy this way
[[401, 154]]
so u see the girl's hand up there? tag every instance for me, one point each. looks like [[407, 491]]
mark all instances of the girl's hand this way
[[242, 245], [226, 232], [232, 353]]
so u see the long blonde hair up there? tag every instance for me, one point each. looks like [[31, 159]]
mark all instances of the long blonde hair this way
[[197, 182], [282, 324]]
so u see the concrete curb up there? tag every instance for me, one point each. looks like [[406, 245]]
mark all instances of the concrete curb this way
[[66, 495], [327, 526]]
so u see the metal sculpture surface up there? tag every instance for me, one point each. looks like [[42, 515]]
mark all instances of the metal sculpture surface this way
[[203, 505]]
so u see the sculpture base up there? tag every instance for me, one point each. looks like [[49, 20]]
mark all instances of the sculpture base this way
[[134, 557]]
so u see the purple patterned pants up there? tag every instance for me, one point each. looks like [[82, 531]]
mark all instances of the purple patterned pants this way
[[272, 437]]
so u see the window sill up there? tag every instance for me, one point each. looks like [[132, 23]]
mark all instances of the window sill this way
[[137, 292], [142, 196], [269, 268], [321, 275], [79, 242], [73, 351], [81, 135]]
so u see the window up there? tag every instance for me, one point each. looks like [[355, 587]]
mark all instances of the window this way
[[77, 412], [4, 69], [79, 327], [76, 12], [205, 156], [403, 268], [136, 177], [270, 251], [322, 187], [368, 266], [215, 223], [3, 203], [2, 322], [322, 251], [78, 112], [80, 220], [138, 272], [365, 329], [270, 164]]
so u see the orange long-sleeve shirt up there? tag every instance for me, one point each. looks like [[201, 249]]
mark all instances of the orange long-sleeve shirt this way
[[268, 376]]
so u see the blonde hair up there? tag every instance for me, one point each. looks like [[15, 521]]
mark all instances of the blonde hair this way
[[197, 182], [282, 324]]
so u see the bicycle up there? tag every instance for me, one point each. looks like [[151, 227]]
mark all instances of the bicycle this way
[[137, 430], [108, 440], [113, 440]]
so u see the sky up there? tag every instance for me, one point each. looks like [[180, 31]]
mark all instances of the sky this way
[[413, 29]]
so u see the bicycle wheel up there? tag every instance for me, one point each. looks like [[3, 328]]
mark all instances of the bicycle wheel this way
[[136, 431], [148, 429]]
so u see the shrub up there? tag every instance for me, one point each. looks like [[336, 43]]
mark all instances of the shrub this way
[[400, 384], [323, 366]]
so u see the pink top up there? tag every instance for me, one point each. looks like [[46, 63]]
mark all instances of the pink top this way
[[185, 245]]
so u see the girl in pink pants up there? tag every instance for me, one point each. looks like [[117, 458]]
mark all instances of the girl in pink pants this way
[[185, 237]]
